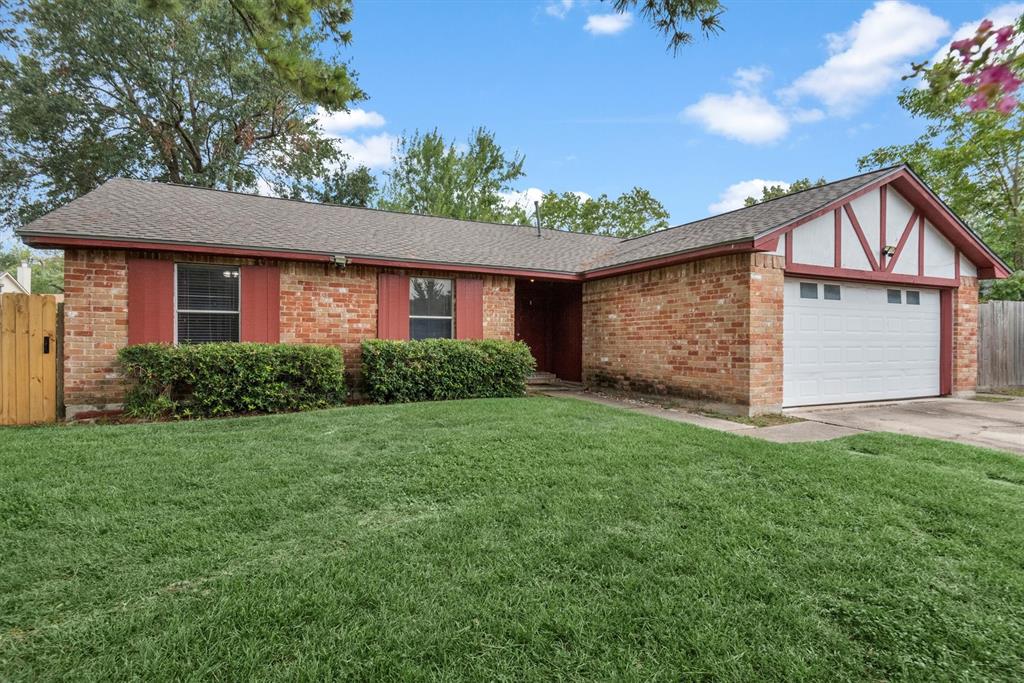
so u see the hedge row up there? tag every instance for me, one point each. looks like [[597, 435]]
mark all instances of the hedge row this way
[[443, 369], [207, 380]]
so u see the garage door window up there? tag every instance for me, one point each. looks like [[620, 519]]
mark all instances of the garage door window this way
[[832, 292], [895, 296], [913, 298], [808, 290]]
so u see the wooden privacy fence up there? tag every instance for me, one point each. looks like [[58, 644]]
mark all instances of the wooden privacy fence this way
[[1000, 344], [28, 359]]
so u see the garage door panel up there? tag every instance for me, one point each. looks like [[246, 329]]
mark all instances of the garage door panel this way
[[860, 347]]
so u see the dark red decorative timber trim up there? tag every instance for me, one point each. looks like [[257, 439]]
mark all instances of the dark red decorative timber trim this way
[[461, 268], [81, 242], [946, 342], [672, 259], [881, 227], [838, 239], [865, 245], [845, 199], [956, 264], [917, 194], [789, 248], [920, 245], [868, 275], [903, 242]]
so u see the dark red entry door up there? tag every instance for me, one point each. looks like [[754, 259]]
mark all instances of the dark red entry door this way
[[532, 320]]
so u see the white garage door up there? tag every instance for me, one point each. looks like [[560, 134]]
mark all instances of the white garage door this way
[[846, 342]]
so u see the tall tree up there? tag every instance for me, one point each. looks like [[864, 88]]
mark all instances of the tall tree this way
[[776, 191], [974, 160], [281, 32], [633, 213], [436, 176], [101, 89]]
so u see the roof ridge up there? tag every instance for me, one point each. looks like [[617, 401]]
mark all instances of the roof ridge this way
[[358, 208], [768, 201]]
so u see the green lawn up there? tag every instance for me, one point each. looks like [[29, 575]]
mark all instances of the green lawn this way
[[503, 539]]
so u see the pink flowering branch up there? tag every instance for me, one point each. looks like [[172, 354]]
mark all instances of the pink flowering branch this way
[[988, 63]]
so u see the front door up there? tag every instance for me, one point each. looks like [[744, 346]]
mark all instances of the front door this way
[[533, 307]]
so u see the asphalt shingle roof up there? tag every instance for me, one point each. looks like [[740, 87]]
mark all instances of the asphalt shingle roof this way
[[141, 211]]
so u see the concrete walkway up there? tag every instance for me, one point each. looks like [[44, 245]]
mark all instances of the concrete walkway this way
[[787, 433]]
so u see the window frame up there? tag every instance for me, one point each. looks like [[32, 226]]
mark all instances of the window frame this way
[[450, 317], [808, 285], [917, 296], [177, 311], [825, 289], [888, 296]]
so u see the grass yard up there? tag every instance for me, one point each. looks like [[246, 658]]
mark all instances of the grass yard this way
[[503, 539]]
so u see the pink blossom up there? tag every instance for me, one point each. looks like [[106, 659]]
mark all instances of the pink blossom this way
[[977, 102], [1003, 38], [985, 26], [1006, 104], [972, 79], [1000, 76], [964, 46]]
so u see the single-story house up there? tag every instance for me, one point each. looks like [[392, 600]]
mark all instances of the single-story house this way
[[862, 289]]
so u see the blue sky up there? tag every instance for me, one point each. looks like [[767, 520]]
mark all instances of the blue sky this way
[[596, 103]]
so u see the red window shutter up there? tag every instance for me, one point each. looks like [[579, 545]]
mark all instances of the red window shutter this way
[[150, 301], [392, 306], [469, 308], [261, 304]]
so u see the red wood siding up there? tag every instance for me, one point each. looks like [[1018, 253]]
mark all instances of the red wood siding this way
[[150, 301], [392, 306], [261, 304], [469, 308], [946, 342]]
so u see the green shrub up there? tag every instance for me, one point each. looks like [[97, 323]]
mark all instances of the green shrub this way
[[443, 369], [207, 380]]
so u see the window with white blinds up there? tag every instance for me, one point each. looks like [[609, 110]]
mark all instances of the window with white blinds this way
[[206, 303]]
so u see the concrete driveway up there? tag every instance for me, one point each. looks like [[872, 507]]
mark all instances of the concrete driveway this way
[[982, 423]]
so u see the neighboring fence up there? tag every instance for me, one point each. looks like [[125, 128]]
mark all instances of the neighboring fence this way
[[1000, 344], [28, 359]]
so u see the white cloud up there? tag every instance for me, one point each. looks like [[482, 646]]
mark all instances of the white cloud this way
[[733, 196], [750, 78], [340, 122], [744, 117], [807, 115], [524, 199], [375, 151], [870, 55], [1000, 16], [608, 24], [559, 8]]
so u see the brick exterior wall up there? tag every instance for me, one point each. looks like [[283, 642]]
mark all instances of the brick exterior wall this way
[[708, 330], [95, 327], [965, 337], [320, 304]]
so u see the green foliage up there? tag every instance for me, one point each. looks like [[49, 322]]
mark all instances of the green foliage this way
[[776, 191], [1010, 289], [282, 33], [634, 213], [92, 90], [971, 160], [670, 16], [209, 380], [444, 369], [434, 176]]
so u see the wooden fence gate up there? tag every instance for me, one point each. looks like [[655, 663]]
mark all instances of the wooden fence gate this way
[[1000, 344], [28, 359]]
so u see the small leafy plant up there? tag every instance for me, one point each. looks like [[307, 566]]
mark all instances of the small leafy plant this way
[[209, 380], [444, 369]]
